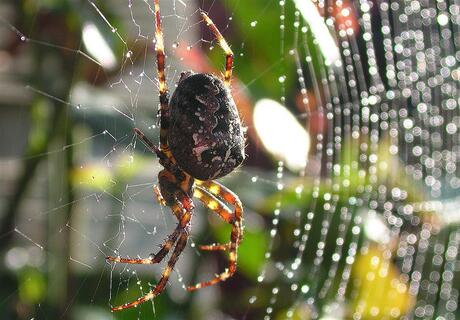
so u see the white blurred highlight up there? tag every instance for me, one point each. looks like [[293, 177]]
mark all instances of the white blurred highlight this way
[[281, 134], [97, 46], [326, 43], [375, 227]]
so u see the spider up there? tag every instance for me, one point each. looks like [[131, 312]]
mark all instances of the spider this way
[[201, 139]]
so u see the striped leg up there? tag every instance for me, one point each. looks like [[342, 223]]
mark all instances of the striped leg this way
[[178, 210], [166, 158], [215, 247], [153, 258], [214, 204], [224, 193], [164, 98], [184, 229], [223, 43], [160, 198], [213, 190]]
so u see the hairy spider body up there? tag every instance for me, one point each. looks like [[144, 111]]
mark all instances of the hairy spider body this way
[[201, 138], [205, 134]]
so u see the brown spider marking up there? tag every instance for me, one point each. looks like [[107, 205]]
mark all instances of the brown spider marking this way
[[200, 147], [209, 120]]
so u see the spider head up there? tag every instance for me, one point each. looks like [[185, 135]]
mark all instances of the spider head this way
[[184, 75]]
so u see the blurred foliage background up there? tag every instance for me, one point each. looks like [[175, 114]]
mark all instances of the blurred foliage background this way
[[76, 187]]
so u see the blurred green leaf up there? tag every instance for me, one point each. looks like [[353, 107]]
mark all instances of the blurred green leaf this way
[[98, 176], [381, 294], [251, 251], [32, 286], [39, 114]]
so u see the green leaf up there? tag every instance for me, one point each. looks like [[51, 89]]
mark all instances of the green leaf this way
[[32, 286]]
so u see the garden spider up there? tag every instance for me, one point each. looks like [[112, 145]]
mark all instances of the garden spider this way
[[201, 139]]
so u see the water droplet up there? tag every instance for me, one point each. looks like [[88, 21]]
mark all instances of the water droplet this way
[[443, 19]]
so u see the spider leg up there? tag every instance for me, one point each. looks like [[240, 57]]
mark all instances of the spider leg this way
[[183, 230], [224, 45], [166, 158], [216, 189], [160, 198], [164, 98], [148, 143], [224, 193], [179, 203], [175, 191], [164, 277], [179, 207], [215, 247], [153, 258], [214, 204]]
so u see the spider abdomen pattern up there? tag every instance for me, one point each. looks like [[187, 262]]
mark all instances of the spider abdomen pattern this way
[[205, 136]]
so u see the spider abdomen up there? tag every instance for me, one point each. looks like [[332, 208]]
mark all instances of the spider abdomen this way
[[205, 135]]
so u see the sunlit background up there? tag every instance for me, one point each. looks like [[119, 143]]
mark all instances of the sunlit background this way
[[350, 185]]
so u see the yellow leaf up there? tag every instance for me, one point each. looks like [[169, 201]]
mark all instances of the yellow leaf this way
[[380, 291], [92, 176]]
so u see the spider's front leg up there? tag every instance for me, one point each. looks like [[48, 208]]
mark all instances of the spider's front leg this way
[[208, 193], [224, 45]]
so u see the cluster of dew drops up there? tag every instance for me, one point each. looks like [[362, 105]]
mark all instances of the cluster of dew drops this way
[[397, 97]]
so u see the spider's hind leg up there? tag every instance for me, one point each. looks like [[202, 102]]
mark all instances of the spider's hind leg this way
[[170, 194], [207, 192], [182, 207], [153, 258], [183, 228], [217, 206]]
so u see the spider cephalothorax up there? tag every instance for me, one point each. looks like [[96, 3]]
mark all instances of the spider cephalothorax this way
[[205, 134], [201, 138]]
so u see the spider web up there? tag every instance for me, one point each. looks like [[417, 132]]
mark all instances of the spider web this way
[[374, 212]]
